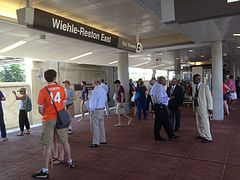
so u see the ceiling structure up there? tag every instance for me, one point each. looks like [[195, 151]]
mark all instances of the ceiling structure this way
[[163, 44]]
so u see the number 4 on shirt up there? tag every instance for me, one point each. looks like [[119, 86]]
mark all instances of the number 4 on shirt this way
[[56, 98]]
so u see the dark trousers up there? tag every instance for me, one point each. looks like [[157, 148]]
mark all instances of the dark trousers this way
[[174, 113], [141, 106], [161, 119], [2, 125], [238, 92], [149, 100], [23, 120]]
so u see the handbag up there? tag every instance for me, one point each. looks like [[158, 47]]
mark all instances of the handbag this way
[[63, 118]]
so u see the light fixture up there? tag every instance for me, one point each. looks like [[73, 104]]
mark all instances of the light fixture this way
[[236, 34], [13, 46], [140, 64], [113, 62], [231, 1], [157, 66], [80, 56], [238, 47], [202, 56], [135, 56], [190, 50], [177, 58]]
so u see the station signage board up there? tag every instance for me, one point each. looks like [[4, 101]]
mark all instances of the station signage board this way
[[59, 25]]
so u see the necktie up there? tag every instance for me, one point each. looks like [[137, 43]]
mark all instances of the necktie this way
[[196, 96], [196, 92], [172, 90]]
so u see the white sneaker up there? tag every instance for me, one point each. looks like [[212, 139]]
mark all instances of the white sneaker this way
[[69, 131]]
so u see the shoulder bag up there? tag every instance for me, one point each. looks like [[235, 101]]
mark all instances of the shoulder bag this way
[[63, 118]]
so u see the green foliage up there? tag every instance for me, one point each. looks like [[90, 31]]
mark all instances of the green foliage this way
[[12, 73]]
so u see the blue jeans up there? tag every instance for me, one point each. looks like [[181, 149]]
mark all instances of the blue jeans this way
[[2, 125], [141, 106]]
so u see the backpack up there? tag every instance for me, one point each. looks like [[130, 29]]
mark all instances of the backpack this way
[[28, 106]]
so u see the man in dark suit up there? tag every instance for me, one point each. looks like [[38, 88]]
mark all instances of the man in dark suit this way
[[175, 93]]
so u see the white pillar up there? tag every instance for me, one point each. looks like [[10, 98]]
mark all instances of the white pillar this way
[[177, 68], [123, 76], [154, 73], [217, 81]]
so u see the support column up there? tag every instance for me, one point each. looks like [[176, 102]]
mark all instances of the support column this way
[[154, 73], [168, 80], [123, 76], [177, 68], [217, 80]]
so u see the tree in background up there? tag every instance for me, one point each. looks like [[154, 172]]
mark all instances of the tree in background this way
[[12, 73]]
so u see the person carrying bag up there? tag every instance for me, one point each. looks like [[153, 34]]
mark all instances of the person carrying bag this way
[[63, 118]]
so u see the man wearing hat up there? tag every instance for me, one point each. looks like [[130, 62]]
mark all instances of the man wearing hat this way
[[69, 105], [23, 117]]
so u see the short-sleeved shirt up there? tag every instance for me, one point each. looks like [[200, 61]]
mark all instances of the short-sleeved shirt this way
[[1, 96], [231, 84], [160, 95], [58, 95], [84, 91], [22, 103], [224, 89], [119, 92], [70, 95], [142, 92]]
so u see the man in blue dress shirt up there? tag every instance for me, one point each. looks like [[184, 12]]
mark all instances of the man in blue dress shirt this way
[[97, 102], [161, 112]]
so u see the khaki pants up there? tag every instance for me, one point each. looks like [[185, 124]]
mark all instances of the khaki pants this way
[[70, 110], [203, 125], [48, 133], [97, 126]]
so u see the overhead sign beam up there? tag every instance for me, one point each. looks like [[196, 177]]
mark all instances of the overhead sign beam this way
[[52, 23], [189, 10]]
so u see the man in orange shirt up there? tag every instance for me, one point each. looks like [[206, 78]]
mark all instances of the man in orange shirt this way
[[49, 116]]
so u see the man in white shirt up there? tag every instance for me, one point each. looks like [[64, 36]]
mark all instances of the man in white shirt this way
[[97, 102], [105, 87], [203, 108]]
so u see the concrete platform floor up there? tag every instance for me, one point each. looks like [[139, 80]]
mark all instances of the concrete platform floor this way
[[131, 153]]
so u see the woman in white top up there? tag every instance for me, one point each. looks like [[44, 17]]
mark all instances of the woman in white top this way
[[23, 117]]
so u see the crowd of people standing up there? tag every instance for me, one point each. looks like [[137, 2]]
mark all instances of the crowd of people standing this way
[[163, 102]]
